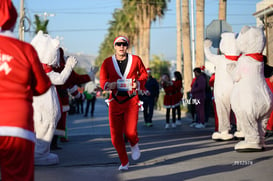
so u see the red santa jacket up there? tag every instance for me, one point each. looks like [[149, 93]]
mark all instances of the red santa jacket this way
[[135, 69], [21, 76]]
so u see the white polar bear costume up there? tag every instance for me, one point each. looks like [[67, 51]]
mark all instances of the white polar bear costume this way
[[251, 98], [223, 83], [47, 109]]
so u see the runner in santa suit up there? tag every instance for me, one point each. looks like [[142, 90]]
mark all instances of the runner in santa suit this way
[[21, 77], [125, 75]]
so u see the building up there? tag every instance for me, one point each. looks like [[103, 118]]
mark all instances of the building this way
[[264, 15]]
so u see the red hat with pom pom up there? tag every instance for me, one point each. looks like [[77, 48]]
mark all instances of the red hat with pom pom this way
[[8, 15]]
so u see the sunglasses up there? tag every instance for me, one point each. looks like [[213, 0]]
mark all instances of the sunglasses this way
[[125, 44]]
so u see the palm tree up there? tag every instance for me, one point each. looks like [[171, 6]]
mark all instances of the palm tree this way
[[200, 57], [134, 21], [178, 37], [40, 25], [186, 46], [147, 11]]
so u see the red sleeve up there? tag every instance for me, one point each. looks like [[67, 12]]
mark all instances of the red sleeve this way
[[76, 79], [143, 76], [211, 80], [104, 76]]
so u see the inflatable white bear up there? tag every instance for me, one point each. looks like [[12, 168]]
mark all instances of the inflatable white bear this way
[[251, 98], [223, 83], [47, 110]]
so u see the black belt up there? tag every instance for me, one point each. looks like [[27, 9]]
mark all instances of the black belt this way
[[124, 100]]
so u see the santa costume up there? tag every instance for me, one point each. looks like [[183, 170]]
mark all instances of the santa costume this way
[[69, 87], [170, 100], [123, 105], [21, 76]]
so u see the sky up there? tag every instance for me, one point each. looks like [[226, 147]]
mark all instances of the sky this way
[[82, 25]]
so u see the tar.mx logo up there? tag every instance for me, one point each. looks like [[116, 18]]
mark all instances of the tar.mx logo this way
[[191, 101]]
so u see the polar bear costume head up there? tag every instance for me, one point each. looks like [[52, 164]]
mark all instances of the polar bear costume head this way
[[251, 40], [228, 44], [47, 48]]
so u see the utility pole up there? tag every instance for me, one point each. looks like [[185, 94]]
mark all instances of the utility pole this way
[[21, 22], [222, 9], [192, 36], [179, 37]]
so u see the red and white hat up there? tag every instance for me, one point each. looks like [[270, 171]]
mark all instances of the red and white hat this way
[[8, 15], [148, 70], [121, 38]]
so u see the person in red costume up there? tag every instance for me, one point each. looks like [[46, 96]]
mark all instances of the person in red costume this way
[[70, 87], [211, 84], [169, 99], [22, 77], [125, 75], [178, 95]]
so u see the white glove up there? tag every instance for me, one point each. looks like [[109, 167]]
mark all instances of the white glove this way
[[207, 43], [71, 62]]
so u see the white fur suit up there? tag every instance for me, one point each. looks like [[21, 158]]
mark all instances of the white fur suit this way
[[251, 98], [223, 83]]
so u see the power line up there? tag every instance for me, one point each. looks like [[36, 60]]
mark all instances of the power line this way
[[104, 29]]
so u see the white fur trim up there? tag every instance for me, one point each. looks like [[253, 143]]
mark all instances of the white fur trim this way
[[105, 85], [66, 108], [73, 89], [120, 38], [7, 33], [17, 132], [128, 67], [59, 132]]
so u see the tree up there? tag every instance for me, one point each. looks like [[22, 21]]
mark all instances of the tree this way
[[159, 66], [40, 25], [186, 46], [147, 11], [200, 57], [134, 21], [178, 37]]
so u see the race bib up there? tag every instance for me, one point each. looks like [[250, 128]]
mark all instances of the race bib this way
[[124, 84]]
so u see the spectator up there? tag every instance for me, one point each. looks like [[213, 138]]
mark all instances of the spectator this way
[[150, 98], [22, 77], [198, 92], [169, 102], [90, 92], [178, 95]]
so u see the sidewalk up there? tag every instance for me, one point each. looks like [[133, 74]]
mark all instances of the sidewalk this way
[[178, 154]]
